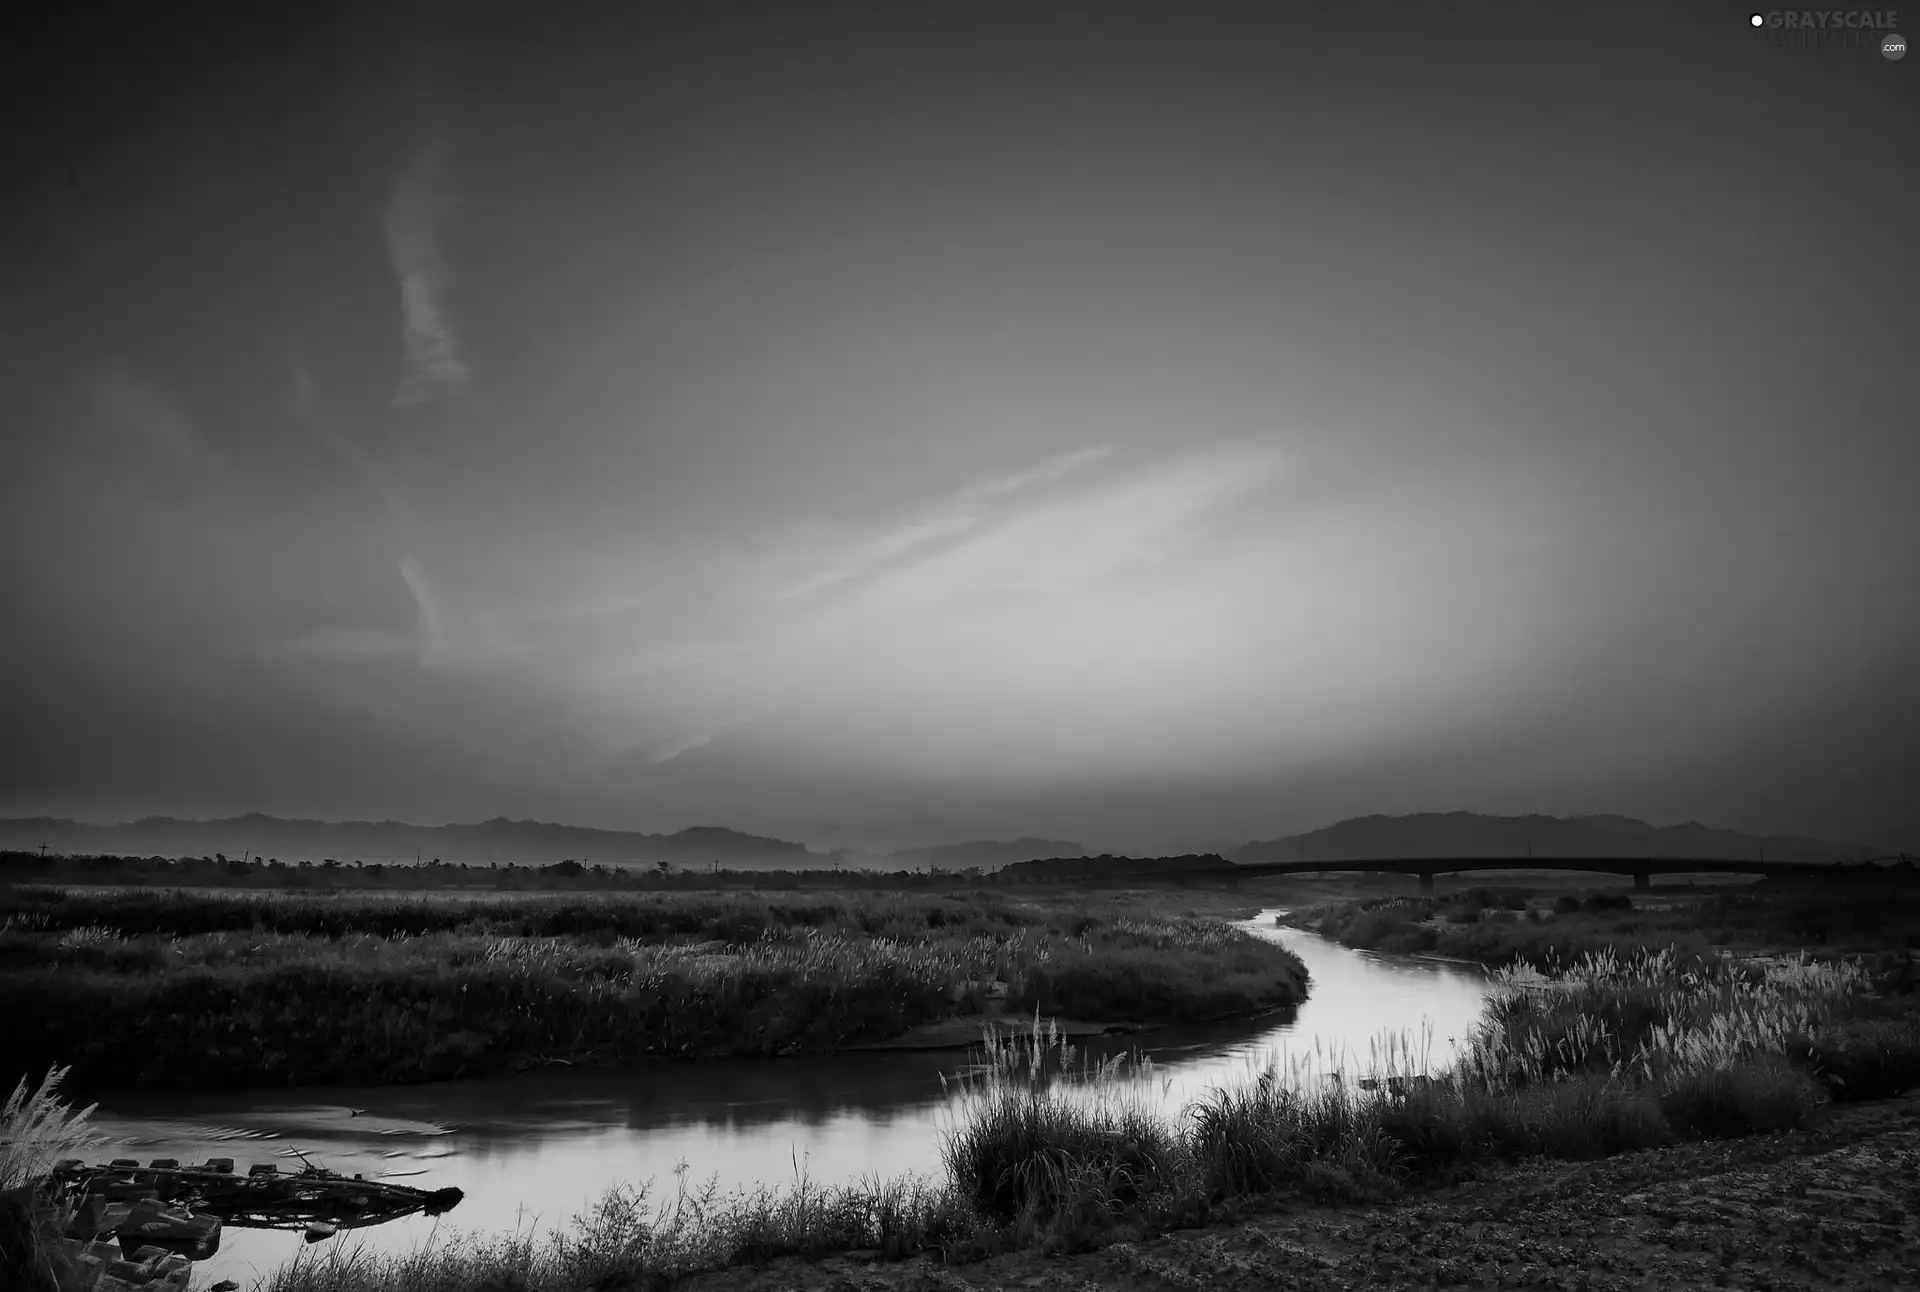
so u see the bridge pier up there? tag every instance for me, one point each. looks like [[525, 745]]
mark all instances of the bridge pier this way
[[1426, 884], [1642, 880]]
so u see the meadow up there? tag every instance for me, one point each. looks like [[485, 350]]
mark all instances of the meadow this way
[[168, 988]]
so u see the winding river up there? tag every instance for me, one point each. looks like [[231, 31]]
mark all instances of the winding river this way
[[533, 1150]]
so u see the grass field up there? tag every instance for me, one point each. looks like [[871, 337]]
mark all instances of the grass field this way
[[167, 988]]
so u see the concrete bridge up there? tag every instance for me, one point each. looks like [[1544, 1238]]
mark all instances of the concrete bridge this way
[[1641, 868]]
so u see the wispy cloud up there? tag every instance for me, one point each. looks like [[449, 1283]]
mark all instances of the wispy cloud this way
[[434, 645], [877, 551], [1052, 469], [444, 633], [434, 364], [1066, 543], [962, 513], [1063, 592], [1040, 597], [672, 749]]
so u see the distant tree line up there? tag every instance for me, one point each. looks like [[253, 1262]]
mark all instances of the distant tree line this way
[[1108, 868], [222, 871]]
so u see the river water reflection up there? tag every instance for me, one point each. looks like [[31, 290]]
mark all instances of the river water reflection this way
[[533, 1150]]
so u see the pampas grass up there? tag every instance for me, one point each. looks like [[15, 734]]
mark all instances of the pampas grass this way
[[39, 1128]]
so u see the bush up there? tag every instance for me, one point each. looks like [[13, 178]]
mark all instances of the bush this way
[[1566, 905], [1370, 928], [1749, 1098], [1023, 1153], [1591, 1117], [1867, 1058], [1272, 1135]]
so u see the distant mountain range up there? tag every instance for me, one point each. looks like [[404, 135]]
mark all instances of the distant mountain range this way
[[1432, 834], [1469, 834], [501, 840]]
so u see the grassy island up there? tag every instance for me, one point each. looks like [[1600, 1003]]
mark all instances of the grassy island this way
[[170, 988]]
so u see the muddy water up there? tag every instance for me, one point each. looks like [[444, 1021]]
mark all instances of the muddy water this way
[[531, 1151]]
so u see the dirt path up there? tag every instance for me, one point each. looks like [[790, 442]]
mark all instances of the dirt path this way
[[1837, 1208]]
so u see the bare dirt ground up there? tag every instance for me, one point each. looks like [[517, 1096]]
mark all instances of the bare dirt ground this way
[[1834, 1208]]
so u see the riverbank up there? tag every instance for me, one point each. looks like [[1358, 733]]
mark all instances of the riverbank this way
[[1087, 1170], [169, 989], [1835, 1207], [1647, 1065]]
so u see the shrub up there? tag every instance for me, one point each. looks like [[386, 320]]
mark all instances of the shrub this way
[[1751, 1097], [1867, 1058], [1275, 1134], [1023, 1152], [1566, 904], [1370, 928]]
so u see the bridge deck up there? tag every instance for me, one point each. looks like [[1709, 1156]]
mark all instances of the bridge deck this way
[[1642, 869], [1602, 865]]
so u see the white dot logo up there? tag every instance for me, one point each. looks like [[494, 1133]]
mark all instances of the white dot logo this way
[[1894, 47], [1758, 20]]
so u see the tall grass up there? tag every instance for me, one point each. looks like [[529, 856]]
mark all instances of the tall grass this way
[[1045, 1144], [1601, 1055], [37, 1129], [137, 988], [630, 1239]]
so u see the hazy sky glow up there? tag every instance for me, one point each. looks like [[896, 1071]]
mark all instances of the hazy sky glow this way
[[1154, 428]]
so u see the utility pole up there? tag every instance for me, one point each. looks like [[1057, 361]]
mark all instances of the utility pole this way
[[43, 852]]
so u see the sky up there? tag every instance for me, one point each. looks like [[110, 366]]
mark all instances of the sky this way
[[1147, 424]]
